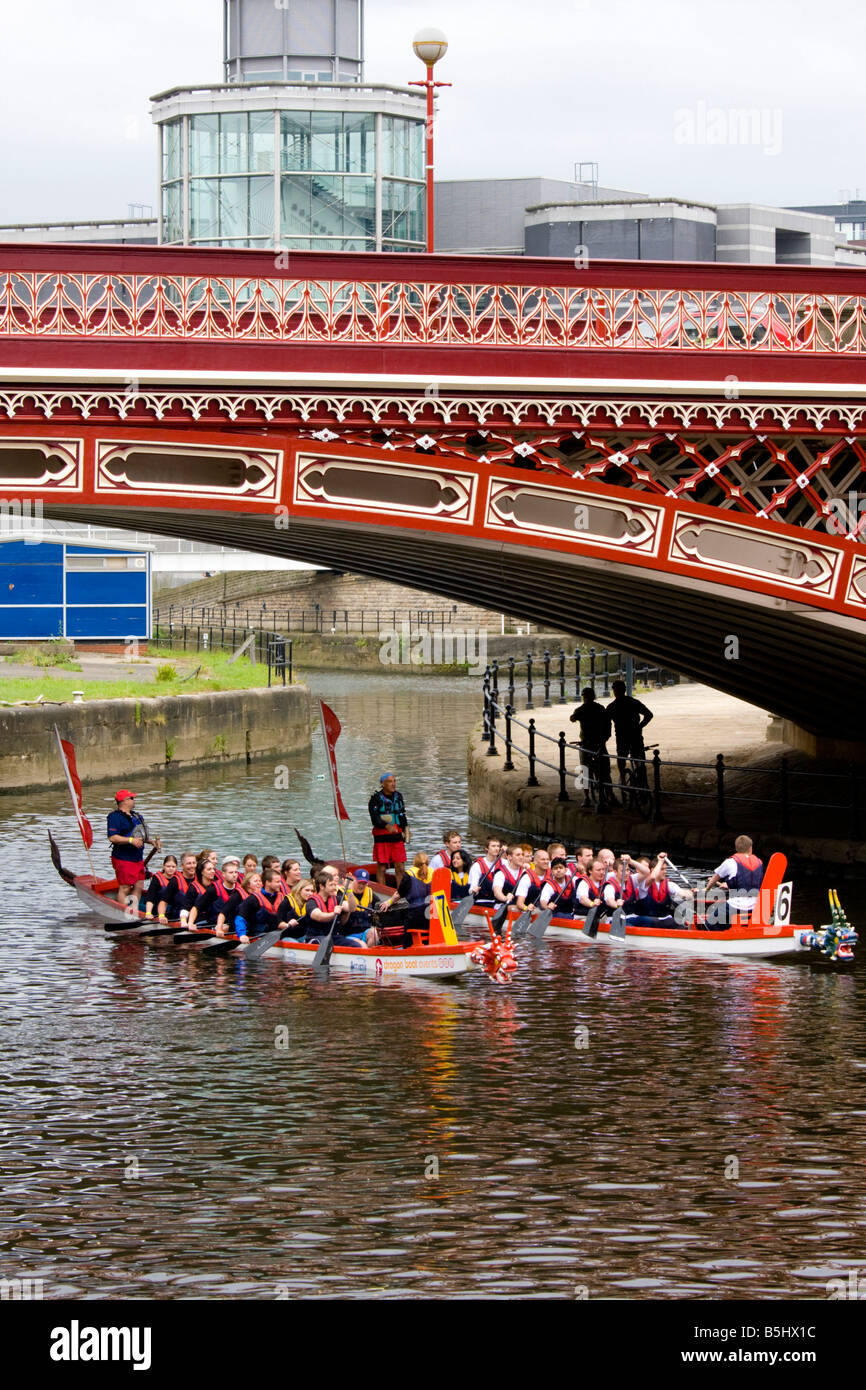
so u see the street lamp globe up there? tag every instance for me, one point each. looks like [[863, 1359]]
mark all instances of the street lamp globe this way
[[430, 45]]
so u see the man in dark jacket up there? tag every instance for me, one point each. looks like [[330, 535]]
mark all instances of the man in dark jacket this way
[[594, 722], [391, 833]]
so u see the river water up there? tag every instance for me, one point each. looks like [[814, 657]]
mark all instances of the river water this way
[[613, 1125]]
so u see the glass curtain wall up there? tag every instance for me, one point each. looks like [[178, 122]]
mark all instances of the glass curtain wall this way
[[327, 173]]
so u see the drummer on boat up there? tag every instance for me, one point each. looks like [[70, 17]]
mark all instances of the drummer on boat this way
[[127, 835]]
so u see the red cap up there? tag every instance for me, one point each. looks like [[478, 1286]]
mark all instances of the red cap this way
[[121, 796]]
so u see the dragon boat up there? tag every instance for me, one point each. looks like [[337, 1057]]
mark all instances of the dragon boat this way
[[436, 953], [766, 933]]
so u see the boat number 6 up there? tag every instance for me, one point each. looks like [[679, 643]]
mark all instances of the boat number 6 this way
[[782, 911]]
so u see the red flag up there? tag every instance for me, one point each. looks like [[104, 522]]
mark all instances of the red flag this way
[[331, 730], [67, 755]]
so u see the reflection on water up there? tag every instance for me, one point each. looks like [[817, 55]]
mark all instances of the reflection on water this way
[[413, 1138]]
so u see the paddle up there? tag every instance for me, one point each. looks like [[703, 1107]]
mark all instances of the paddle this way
[[499, 916], [617, 925], [222, 945], [519, 925], [326, 945], [261, 944], [590, 922], [541, 923], [461, 910]]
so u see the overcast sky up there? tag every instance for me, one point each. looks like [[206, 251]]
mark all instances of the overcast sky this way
[[644, 87]]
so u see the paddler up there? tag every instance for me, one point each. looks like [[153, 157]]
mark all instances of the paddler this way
[[590, 886], [159, 881], [265, 907], [742, 875], [461, 867], [559, 891], [391, 833], [532, 879], [362, 903], [452, 842], [509, 874], [212, 903], [127, 835], [178, 890], [323, 906], [482, 871]]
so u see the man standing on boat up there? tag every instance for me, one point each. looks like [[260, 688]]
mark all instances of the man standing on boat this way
[[127, 834], [391, 833]]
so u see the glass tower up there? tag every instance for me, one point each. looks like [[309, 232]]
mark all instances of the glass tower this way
[[294, 150]]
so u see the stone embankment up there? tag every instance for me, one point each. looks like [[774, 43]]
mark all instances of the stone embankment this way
[[124, 738], [691, 725]]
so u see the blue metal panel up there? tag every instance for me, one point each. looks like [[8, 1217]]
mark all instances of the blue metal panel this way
[[20, 553], [106, 622], [106, 586], [31, 622], [30, 583]]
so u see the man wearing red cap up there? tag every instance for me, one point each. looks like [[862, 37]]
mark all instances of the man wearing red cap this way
[[127, 834]]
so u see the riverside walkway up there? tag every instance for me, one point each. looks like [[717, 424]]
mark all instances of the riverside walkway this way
[[691, 724]]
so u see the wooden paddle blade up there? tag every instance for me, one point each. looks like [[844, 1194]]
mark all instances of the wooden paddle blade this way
[[497, 921], [261, 944], [520, 924], [617, 925], [460, 911], [323, 954], [590, 925], [541, 923]]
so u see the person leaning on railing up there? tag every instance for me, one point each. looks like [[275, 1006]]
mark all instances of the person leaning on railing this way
[[594, 721]]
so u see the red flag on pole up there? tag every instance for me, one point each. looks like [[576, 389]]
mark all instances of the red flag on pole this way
[[331, 729], [67, 757]]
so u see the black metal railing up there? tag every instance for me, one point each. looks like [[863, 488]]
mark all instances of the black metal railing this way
[[835, 796], [319, 619], [266, 648]]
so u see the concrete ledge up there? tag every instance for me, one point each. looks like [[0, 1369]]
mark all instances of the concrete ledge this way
[[353, 652], [122, 738]]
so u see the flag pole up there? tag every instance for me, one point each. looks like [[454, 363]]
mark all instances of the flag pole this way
[[331, 778], [73, 795]]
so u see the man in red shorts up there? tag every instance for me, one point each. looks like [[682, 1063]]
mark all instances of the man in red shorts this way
[[128, 836], [391, 833]]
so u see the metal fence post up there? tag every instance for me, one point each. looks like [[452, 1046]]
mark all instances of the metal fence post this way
[[629, 675], [492, 750], [606, 673], [529, 704], [562, 675], [508, 765], [494, 680], [485, 736], [511, 681], [547, 680], [720, 792], [591, 669], [563, 794], [532, 780], [657, 787], [577, 673]]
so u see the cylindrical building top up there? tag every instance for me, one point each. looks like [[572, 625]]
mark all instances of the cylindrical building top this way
[[293, 41]]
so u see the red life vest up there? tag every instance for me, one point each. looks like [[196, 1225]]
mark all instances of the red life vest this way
[[221, 890], [485, 882], [241, 891], [162, 879], [265, 903], [564, 896], [511, 879], [329, 905]]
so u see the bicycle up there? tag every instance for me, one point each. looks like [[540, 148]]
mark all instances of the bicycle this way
[[590, 777], [636, 794]]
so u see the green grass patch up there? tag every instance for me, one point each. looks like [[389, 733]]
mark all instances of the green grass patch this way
[[216, 674]]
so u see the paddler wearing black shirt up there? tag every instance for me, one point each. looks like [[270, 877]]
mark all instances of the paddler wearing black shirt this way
[[174, 900], [159, 881], [209, 904], [265, 909]]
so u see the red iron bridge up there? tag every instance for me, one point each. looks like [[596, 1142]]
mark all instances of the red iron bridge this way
[[667, 457]]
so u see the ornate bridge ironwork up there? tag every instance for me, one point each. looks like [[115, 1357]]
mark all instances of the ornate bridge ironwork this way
[[656, 455]]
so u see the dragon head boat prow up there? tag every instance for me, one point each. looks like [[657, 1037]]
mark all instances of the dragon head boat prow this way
[[836, 941]]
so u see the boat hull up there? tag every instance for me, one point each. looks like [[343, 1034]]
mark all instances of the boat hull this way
[[734, 941], [429, 962]]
